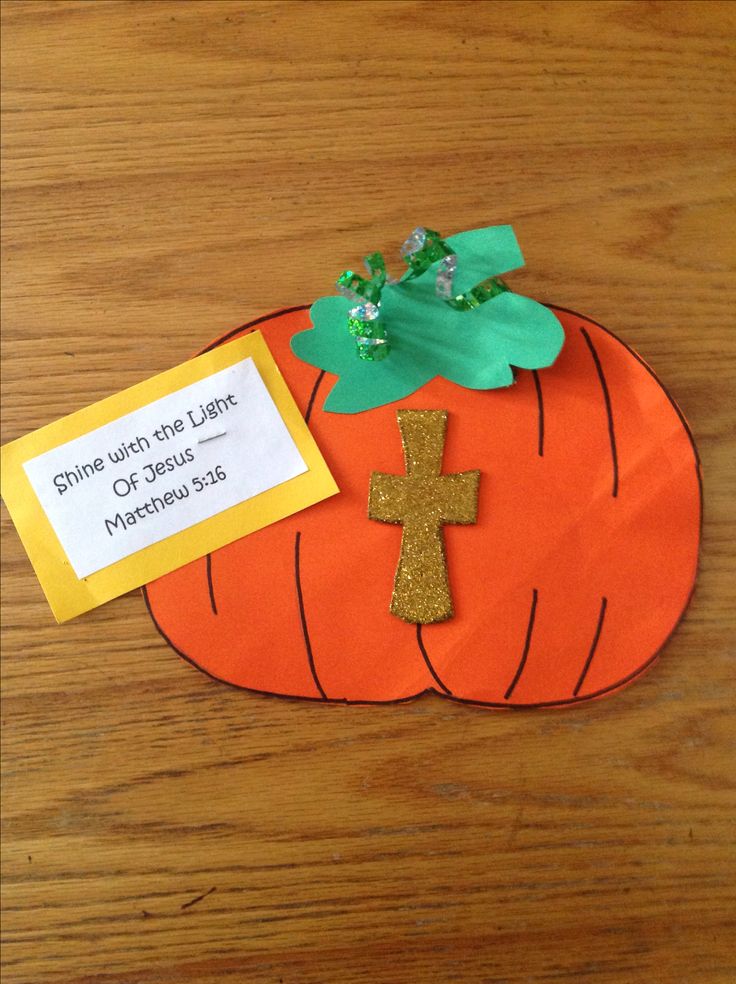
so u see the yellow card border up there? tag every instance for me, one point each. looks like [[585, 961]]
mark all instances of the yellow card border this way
[[68, 595]]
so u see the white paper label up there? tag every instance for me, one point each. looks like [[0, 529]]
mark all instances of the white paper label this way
[[163, 468]]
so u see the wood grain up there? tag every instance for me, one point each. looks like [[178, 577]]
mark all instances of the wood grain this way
[[174, 169]]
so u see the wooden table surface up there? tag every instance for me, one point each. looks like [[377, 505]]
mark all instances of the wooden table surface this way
[[173, 169]]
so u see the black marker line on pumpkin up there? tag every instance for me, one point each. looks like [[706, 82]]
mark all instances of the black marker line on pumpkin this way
[[594, 646], [540, 406], [527, 645], [210, 585], [609, 411], [652, 373], [308, 414], [427, 660], [302, 614], [696, 456]]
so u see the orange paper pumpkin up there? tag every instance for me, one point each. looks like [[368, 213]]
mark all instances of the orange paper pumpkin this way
[[580, 564]]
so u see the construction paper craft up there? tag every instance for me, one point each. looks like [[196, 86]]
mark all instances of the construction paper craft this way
[[428, 337], [580, 564], [156, 476]]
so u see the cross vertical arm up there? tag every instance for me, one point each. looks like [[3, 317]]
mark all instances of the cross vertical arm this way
[[423, 439]]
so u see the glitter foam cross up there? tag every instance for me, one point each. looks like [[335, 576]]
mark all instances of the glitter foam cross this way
[[423, 501]]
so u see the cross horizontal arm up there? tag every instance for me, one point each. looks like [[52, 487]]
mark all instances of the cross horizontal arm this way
[[387, 498], [459, 502]]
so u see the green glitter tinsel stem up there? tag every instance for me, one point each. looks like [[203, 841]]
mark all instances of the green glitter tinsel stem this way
[[370, 339], [476, 296]]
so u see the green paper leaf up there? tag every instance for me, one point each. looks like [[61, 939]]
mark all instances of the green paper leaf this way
[[476, 349], [484, 253]]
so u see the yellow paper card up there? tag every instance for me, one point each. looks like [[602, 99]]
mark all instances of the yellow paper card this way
[[128, 489]]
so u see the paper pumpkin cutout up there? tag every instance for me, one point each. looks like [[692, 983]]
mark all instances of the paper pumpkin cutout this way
[[580, 564]]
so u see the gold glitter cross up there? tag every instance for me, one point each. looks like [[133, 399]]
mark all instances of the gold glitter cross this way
[[423, 500]]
